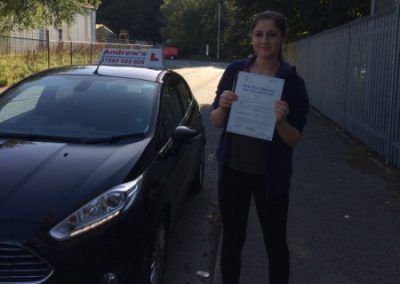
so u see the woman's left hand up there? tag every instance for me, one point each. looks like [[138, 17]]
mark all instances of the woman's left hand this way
[[281, 110]]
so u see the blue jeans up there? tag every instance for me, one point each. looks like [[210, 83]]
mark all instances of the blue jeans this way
[[234, 194]]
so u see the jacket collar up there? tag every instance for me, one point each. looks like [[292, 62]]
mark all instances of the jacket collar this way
[[285, 69]]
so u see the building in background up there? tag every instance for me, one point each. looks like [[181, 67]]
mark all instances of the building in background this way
[[83, 29], [104, 34], [123, 36]]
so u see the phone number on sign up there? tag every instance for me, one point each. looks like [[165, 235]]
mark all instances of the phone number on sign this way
[[123, 61]]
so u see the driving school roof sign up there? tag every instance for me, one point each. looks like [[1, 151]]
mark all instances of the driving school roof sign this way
[[132, 57]]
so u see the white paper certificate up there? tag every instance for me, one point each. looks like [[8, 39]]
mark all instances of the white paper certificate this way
[[253, 114]]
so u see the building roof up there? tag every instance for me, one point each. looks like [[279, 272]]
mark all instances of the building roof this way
[[101, 26]]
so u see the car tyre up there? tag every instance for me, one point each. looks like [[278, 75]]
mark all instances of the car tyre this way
[[198, 182]]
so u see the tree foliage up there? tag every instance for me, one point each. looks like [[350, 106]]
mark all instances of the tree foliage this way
[[140, 17], [190, 24], [26, 14], [326, 14]]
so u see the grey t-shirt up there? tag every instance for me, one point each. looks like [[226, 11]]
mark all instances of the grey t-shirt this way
[[248, 154]]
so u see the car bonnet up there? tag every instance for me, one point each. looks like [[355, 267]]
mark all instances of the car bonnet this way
[[48, 181]]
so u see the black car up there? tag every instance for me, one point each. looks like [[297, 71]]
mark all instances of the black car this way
[[93, 163]]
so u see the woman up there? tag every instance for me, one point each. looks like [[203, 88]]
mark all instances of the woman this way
[[253, 166]]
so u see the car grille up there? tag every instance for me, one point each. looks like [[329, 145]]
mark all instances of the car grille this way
[[19, 265]]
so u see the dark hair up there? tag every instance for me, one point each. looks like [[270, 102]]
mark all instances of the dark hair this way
[[278, 18]]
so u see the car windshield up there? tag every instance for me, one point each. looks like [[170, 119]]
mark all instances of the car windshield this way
[[78, 107]]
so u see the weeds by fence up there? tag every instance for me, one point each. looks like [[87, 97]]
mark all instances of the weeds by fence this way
[[20, 57]]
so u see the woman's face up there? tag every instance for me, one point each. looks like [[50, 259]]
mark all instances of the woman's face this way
[[266, 39]]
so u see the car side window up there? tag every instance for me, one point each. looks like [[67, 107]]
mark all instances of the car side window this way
[[171, 107], [185, 94]]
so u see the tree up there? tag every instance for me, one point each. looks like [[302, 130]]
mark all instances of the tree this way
[[190, 25], [140, 17], [25, 14], [327, 14], [304, 17]]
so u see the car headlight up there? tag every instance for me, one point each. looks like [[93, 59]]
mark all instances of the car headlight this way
[[98, 211]]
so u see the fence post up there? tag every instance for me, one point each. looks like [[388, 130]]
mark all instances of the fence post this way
[[346, 78], [394, 88], [48, 48], [70, 44], [90, 52]]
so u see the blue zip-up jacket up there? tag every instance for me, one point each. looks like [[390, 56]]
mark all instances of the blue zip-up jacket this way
[[279, 154]]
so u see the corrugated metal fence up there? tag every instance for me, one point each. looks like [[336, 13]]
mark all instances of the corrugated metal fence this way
[[352, 76]]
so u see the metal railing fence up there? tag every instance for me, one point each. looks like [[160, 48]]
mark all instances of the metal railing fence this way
[[352, 76]]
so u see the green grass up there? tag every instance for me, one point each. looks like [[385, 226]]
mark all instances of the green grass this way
[[14, 67]]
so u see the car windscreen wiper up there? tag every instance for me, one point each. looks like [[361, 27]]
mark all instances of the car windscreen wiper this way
[[40, 137], [114, 139]]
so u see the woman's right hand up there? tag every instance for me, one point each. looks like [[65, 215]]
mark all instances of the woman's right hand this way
[[219, 115], [226, 99]]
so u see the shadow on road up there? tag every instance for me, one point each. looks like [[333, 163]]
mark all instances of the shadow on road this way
[[179, 63]]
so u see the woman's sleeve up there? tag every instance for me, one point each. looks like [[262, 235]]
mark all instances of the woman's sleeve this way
[[298, 104]]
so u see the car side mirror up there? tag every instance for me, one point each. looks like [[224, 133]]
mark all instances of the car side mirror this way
[[183, 134]]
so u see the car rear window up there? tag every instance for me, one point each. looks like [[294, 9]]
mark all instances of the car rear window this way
[[79, 106]]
